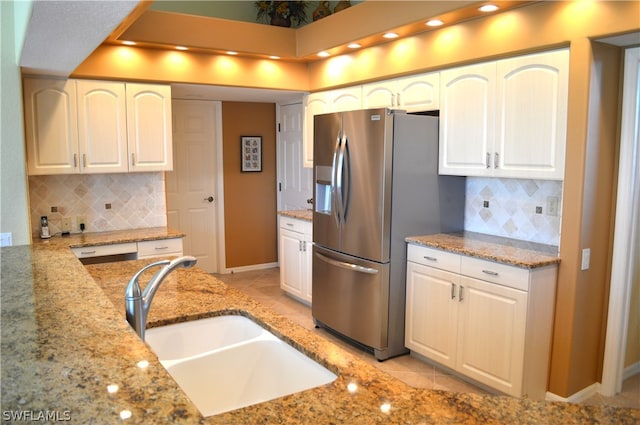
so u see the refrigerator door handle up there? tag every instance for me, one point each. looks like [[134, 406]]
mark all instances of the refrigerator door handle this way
[[339, 179], [346, 265], [347, 177], [334, 183]]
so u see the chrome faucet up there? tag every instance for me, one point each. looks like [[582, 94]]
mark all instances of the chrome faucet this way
[[137, 302]]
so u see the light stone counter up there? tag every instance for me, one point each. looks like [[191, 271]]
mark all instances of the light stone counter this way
[[65, 341], [494, 248], [306, 215]]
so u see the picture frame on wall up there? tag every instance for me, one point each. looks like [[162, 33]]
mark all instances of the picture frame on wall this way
[[251, 153]]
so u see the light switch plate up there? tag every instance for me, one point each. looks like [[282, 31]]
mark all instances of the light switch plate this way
[[586, 258]]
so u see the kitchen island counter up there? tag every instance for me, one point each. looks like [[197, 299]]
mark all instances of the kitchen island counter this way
[[66, 346]]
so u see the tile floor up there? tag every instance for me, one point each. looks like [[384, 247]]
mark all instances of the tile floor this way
[[263, 286]]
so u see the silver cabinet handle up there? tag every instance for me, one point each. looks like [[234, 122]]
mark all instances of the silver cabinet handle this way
[[453, 291], [398, 99], [290, 224], [488, 160], [75, 160], [496, 160], [490, 272], [133, 159], [160, 248], [84, 160], [346, 265], [430, 258], [209, 199], [460, 297], [87, 252]]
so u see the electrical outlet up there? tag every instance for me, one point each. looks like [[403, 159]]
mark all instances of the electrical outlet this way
[[81, 221], [66, 224], [586, 259], [552, 205]]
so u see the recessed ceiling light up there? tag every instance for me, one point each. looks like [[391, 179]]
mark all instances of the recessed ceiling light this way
[[231, 52], [182, 48], [274, 57], [354, 46], [324, 54], [390, 35], [488, 8], [434, 23], [129, 43]]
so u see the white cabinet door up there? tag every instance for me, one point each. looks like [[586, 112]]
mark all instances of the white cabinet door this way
[[413, 94], [51, 126], [466, 119], [149, 127], [531, 118], [379, 95], [307, 267], [491, 334], [348, 99], [432, 308], [314, 104], [291, 262], [418, 93], [102, 127]]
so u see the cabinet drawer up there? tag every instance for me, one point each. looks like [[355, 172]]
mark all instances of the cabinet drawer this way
[[502, 274], [295, 225], [433, 257], [104, 250], [160, 247]]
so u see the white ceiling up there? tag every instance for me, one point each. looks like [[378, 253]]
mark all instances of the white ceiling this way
[[62, 34]]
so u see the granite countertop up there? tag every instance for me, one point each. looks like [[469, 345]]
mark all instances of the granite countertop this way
[[79, 240], [502, 250], [306, 215], [65, 344]]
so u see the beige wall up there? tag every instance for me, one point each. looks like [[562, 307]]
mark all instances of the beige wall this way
[[250, 197], [14, 209], [587, 217]]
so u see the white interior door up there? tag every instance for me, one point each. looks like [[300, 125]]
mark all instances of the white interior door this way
[[294, 180], [191, 187]]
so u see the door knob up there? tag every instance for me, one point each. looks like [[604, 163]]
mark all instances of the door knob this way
[[210, 199]]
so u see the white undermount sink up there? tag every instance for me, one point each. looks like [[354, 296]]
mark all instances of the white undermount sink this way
[[228, 362]]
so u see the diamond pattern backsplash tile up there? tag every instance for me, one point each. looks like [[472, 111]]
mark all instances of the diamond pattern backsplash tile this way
[[136, 200], [511, 210]]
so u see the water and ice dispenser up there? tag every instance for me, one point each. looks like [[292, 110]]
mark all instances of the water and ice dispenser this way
[[323, 189]]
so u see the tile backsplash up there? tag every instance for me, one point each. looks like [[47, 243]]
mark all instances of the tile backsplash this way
[[136, 200], [507, 207]]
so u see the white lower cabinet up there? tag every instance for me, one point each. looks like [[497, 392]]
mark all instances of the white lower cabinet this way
[[160, 248], [295, 258], [496, 330]]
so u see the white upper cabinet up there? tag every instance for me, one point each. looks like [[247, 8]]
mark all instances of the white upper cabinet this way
[[83, 126], [506, 118], [102, 127], [51, 126], [531, 118], [149, 127], [413, 94], [466, 121]]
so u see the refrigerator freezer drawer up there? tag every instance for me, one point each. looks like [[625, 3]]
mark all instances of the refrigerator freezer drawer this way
[[351, 296]]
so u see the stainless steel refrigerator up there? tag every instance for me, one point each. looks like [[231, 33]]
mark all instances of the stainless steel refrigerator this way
[[375, 182]]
